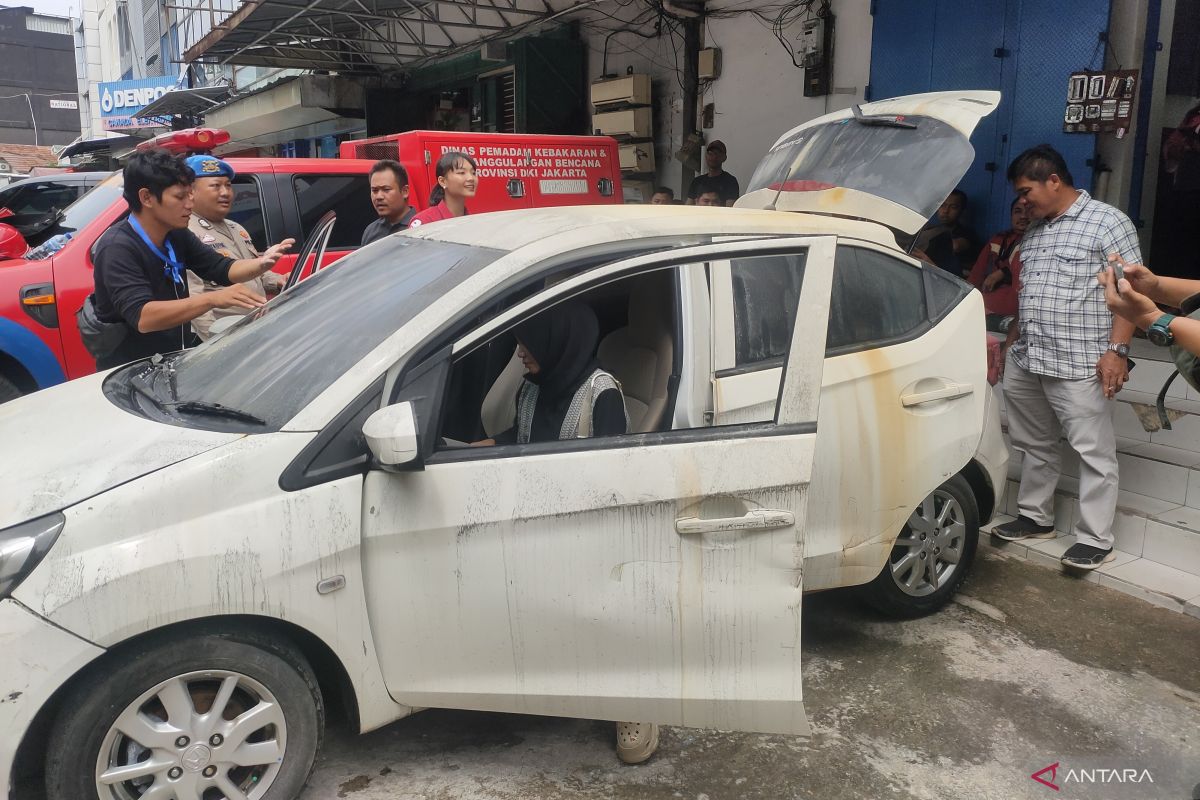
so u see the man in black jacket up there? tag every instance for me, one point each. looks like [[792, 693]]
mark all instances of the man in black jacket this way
[[141, 263]]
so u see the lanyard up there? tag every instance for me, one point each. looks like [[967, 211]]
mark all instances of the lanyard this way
[[171, 266]]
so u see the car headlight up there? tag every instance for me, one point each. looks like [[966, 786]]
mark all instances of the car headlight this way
[[23, 546]]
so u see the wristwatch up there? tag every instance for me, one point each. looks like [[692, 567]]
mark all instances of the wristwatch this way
[[1119, 348], [1159, 332]]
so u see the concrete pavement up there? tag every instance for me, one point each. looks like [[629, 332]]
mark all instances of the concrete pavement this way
[[1029, 669]]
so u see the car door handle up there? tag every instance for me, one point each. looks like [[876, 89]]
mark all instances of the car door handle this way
[[760, 519], [947, 392]]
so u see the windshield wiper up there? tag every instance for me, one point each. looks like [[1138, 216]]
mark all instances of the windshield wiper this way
[[881, 120], [202, 408]]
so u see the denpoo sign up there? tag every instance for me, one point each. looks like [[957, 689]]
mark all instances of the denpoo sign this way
[[121, 100]]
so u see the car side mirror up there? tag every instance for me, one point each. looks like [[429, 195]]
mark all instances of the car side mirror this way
[[391, 433]]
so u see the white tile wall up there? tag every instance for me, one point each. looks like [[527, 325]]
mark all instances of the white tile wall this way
[[1129, 530], [1175, 547], [1184, 433], [1172, 582], [1127, 425], [1149, 376], [1153, 478]]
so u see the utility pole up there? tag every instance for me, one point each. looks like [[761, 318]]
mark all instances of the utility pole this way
[[691, 84], [32, 117]]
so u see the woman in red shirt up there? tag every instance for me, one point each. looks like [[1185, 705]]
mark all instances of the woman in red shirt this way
[[456, 184], [997, 270]]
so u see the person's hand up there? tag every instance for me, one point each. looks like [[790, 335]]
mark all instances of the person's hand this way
[[483, 443], [1128, 304], [1113, 370], [993, 280], [273, 253], [236, 296], [1139, 276]]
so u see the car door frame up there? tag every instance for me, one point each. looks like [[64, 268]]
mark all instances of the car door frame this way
[[767, 698]]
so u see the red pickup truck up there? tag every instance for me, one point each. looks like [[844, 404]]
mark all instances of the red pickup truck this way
[[276, 198]]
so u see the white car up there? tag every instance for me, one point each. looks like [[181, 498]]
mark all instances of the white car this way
[[199, 555]]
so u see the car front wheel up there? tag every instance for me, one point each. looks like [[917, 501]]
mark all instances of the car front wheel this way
[[932, 555], [209, 717]]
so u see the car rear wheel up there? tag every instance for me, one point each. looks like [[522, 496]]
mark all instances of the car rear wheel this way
[[8, 390], [205, 717], [932, 555]]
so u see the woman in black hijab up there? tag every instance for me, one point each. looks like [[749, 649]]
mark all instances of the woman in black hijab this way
[[565, 394]]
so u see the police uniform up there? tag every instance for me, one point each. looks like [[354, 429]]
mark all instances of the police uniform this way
[[232, 241], [228, 239]]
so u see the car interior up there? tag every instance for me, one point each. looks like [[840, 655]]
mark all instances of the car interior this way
[[638, 345]]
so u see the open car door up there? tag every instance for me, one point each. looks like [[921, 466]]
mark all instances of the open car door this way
[[891, 161], [652, 577]]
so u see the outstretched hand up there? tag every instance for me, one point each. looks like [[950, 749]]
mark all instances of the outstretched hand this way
[[1128, 303], [273, 253]]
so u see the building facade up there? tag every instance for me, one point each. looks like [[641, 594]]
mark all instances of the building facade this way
[[39, 93]]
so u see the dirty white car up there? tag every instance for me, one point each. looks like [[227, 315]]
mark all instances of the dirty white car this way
[[199, 555]]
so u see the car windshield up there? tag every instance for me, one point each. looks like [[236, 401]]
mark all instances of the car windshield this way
[[916, 167], [274, 362]]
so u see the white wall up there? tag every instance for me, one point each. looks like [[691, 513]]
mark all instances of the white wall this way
[[759, 94]]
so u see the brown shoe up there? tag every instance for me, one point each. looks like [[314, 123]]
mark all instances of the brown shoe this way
[[636, 741]]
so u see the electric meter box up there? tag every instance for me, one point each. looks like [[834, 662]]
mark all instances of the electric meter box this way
[[632, 122], [631, 90]]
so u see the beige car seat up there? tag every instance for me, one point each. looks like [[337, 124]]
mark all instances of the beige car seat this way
[[499, 409], [641, 354]]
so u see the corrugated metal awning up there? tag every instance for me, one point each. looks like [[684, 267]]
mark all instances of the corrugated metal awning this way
[[361, 36], [186, 102]]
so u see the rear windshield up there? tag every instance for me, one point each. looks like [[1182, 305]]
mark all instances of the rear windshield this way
[[914, 167]]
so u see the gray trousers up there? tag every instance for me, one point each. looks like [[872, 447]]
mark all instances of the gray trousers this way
[[1040, 409]]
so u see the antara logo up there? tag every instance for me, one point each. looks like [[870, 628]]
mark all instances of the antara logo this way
[[1047, 776]]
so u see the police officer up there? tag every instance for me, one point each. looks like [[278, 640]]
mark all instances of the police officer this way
[[212, 199], [141, 289]]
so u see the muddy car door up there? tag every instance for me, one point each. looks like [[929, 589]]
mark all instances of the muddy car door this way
[[652, 576]]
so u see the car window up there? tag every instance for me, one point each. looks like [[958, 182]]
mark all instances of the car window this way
[[766, 291], [247, 209], [348, 195], [40, 198], [876, 298], [633, 340]]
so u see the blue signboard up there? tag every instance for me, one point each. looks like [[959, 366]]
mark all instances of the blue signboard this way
[[121, 100]]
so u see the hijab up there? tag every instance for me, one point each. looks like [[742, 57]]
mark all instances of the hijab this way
[[563, 341]]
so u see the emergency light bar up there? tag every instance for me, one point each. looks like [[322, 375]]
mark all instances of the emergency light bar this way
[[192, 140]]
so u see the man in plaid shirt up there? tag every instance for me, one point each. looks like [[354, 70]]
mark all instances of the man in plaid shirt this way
[[1066, 354]]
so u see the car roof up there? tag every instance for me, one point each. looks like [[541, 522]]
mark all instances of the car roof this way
[[571, 227], [61, 178]]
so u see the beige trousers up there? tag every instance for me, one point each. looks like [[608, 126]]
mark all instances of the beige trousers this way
[[1040, 409]]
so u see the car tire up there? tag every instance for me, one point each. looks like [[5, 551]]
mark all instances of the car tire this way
[[8, 390], [114, 736], [946, 523]]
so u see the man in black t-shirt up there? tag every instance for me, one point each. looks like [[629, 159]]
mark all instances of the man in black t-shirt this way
[[141, 263], [716, 179], [389, 196]]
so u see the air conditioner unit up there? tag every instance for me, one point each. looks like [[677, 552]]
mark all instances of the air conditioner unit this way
[[494, 51], [631, 89]]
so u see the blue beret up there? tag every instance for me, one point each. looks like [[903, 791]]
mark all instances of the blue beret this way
[[209, 167]]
